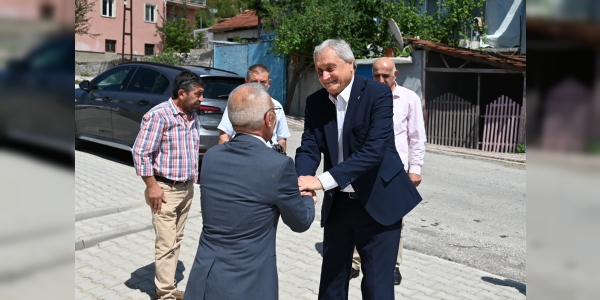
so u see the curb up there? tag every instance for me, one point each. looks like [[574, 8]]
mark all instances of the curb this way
[[91, 241], [513, 163], [106, 211], [498, 280], [95, 240]]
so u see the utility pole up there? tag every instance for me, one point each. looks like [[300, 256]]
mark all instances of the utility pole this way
[[125, 10]]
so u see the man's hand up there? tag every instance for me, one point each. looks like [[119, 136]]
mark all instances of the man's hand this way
[[156, 197], [223, 137], [415, 178], [309, 183], [313, 194]]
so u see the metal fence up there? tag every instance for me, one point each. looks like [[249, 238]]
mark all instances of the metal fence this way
[[501, 124], [452, 121]]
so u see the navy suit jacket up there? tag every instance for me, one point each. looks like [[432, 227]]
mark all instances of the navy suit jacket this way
[[371, 163], [245, 187]]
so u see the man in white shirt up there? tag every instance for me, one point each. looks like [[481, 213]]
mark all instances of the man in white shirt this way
[[409, 129], [258, 73]]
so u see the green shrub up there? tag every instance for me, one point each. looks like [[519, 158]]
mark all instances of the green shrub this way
[[168, 58]]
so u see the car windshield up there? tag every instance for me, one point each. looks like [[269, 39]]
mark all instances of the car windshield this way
[[220, 87]]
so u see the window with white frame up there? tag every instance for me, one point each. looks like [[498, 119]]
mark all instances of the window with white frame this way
[[108, 8], [150, 13]]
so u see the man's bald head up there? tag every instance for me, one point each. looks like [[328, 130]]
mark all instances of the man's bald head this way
[[247, 105], [384, 71]]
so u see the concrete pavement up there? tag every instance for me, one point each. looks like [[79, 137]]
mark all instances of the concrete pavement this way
[[115, 243]]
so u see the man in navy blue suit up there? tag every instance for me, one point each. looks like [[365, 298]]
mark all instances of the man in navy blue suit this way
[[367, 191]]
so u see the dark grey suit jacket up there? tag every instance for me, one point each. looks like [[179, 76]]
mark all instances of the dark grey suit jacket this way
[[245, 187]]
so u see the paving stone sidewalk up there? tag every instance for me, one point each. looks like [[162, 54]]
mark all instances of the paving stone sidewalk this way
[[115, 240], [123, 268], [103, 184]]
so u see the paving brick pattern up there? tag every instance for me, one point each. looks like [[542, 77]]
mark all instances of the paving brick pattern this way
[[117, 256], [102, 183], [122, 268]]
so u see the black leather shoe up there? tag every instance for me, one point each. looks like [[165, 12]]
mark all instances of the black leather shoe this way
[[397, 276], [354, 273]]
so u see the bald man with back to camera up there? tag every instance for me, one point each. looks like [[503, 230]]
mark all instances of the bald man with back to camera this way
[[246, 186]]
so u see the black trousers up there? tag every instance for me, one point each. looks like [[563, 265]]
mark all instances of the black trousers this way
[[350, 224]]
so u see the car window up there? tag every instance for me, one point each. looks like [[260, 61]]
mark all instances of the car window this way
[[220, 87], [161, 84], [112, 80], [143, 80]]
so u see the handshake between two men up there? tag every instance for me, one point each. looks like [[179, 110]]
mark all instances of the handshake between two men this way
[[308, 185], [250, 187]]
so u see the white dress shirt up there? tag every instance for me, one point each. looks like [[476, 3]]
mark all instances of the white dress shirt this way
[[409, 128], [341, 103], [260, 139]]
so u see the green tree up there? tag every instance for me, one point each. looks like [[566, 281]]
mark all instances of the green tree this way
[[204, 19], [451, 22], [82, 20], [301, 25], [414, 22], [224, 8], [455, 18], [177, 34]]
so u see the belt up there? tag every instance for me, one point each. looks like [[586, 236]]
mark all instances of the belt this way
[[169, 181], [350, 195]]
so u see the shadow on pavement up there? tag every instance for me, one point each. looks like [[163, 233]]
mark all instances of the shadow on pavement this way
[[319, 248], [106, 152], [522, 288], [142, 279]]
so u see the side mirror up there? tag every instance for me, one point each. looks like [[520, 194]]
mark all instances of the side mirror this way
[[85, 85]]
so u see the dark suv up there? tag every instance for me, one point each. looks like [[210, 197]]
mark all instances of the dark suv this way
[[109, 108]]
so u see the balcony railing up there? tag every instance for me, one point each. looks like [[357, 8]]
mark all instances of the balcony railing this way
[[192, 3]]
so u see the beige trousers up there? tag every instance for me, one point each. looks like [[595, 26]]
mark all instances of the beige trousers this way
[[168, 224], [356, 257]]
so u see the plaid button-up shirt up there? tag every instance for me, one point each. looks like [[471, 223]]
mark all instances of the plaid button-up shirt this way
[[167, 144]]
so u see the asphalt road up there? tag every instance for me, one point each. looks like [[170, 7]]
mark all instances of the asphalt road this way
[[473, 212]]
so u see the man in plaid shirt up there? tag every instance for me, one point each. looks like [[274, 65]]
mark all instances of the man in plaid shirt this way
[[165, 155]]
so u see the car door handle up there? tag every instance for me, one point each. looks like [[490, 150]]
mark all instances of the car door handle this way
[[143, 102], [107, 99]]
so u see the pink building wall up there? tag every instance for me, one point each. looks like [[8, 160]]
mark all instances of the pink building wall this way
[[111, 28]]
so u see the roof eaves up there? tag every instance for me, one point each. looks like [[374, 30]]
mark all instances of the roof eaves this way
[[232, 28], [496, 60]]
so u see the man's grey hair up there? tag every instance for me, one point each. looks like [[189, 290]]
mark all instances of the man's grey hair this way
[[340, 47], [249, 112]]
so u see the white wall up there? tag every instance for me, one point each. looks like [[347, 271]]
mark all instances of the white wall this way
[[223, 36]]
